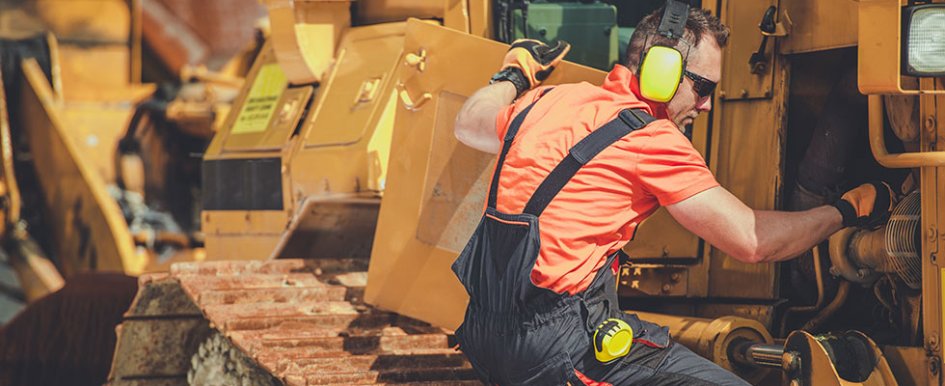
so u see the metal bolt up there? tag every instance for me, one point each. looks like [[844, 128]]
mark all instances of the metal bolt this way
[[834, 271], [666, 288], [744, 93], [674, 277], [789, 361], [721, 94], [933, 342], [861, 273], [930, 123]]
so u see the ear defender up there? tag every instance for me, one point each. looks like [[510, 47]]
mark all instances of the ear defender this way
[[660, 73], [661, 67]]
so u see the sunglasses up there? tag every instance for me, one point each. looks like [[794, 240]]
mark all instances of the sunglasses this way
[[702, 86]]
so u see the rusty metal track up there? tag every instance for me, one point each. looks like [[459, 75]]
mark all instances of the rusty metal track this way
[[301, 321]]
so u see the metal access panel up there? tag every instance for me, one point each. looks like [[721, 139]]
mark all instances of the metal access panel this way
[[819, 25], [436, 186], [345, 139], [746, 155], [590, 28], [87, 222]]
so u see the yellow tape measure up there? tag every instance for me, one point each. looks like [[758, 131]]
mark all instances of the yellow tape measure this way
[[612, 340]]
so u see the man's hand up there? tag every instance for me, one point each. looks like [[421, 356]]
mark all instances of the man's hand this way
[[529, 62], [866, 206]]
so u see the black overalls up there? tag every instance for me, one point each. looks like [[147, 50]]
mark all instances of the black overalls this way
[[516, 333]]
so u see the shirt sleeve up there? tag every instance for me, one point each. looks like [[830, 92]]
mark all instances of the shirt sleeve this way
[[505, 116], [668, 167]]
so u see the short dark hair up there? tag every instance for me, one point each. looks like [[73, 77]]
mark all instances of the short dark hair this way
[[699, 23]]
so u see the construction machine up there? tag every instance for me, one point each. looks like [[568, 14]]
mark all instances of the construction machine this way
[[338, 166], [101, 137]]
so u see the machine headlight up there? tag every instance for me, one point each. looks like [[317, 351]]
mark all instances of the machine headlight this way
[[923, 40]]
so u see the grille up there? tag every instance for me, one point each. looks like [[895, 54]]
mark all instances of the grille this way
[[903, 241]]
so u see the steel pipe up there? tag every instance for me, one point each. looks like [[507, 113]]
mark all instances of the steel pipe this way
[[878, 143], [715, 339]]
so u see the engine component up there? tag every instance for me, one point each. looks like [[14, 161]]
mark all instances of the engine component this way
[[758, 354], [903, 240], [716, 339], [861, 255], [848, 358]]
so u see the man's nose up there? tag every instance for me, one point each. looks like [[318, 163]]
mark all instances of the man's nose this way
[[705, 104]]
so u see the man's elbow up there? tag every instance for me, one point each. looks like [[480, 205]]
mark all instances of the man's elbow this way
[[464, 130], [750, 253]]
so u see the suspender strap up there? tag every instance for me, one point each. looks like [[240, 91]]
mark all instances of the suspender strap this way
[[506, 144], [626, 122]]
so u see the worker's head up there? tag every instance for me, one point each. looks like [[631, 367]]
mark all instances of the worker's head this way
[[701, 46]]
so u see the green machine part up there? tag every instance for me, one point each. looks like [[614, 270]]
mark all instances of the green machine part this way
[[590, 27]]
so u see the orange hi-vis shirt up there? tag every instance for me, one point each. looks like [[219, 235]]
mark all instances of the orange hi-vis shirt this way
[[599, 209]]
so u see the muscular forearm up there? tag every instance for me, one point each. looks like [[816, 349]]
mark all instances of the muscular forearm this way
[[783, 235], [475, 122], [753, 236]]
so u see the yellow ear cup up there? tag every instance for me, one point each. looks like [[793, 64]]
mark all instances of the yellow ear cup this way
[[612, 340], [660, 73]]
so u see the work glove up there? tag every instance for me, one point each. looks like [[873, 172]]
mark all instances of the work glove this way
[[529, 62], [866, 206]]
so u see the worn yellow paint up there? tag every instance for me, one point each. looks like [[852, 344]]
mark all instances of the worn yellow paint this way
[[87, 223], [816, 25], [305, 35], [260, 104], [435, 186], [378, 147]]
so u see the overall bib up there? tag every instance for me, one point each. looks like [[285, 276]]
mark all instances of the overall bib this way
[[516, 333]]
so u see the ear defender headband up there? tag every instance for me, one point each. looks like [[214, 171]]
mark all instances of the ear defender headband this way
[[661, 67]]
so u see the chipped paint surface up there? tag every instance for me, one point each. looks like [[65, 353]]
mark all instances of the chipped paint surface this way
[[303, 321]]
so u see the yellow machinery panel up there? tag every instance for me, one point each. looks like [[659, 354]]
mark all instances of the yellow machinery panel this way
[[99, 40], [338, 136], [745, 155], [380, 11], [89, 226], [739, 79], [230, 232], [436, 186], [331, 144], [816, 25], [306, 34]]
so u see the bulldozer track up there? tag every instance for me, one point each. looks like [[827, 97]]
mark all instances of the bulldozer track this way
[[297, 322]]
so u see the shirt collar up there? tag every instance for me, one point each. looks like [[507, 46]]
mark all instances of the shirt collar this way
[[622, 81]]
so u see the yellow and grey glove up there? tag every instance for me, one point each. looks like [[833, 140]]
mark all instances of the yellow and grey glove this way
[[529, 62], [866, 206]]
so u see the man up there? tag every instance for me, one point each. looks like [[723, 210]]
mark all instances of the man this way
[[580, 167]]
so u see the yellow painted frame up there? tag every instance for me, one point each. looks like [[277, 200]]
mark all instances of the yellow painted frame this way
[[878, 143], [81, 207], [880, 46]]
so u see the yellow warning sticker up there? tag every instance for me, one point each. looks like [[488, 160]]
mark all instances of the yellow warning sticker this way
[[262, 99]]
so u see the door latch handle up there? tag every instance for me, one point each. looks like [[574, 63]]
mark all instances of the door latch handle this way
[[758, 60], [368, 90], [418, 60], [769, 28], [409, 103]]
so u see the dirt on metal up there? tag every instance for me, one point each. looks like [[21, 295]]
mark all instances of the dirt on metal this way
[[291, 322]]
